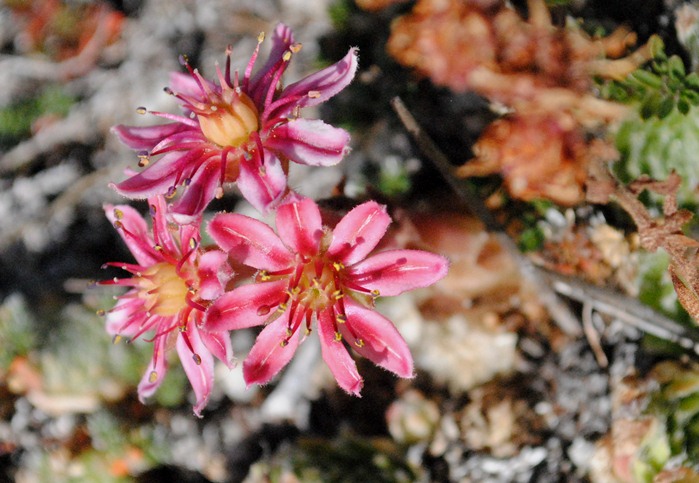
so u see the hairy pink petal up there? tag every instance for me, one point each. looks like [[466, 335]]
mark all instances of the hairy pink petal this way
[[358, 233], [336, 356], [139, 242], [184, 83], [156, 371], [383, 344], [395, 271], [250, 242], [199, 368], [145, 138], [157, 178], [268, 356], [219, 344], [324, 84], [198, 194], [245, 306], [262, 189], [300, 226], [214, 274], [310, 142]]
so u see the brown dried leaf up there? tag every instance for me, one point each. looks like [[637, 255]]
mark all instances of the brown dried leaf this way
[[538, 157]]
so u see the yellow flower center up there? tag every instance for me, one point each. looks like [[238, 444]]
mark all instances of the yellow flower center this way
[[163, 289], [314, 291], [230, 123]]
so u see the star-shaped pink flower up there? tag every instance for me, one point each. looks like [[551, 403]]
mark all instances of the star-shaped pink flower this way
[[243, 130], [173, 282], [308, 272]]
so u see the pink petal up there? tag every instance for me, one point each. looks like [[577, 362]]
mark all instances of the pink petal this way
[[395, 271], [268, 356], [245, 306], [156, 371], [336, 356], [214, 274], [138, 238], [383, 344], [324, 84], [262, 188], [219, 344], [198, 193], [162, 235], [300, 226], [145, 138], [184, 83], [310, 142], [358, 233], [250, 242], [199, 366], [160, 176]]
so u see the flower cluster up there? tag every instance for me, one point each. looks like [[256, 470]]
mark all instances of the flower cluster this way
[[245, 129]]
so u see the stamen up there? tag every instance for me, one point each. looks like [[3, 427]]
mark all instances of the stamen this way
[[141, 110], [116, 339], [152, 377], [359, 342], [338, 337]]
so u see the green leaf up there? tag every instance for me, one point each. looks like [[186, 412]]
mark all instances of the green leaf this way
[[651, 105], [657, 47], [683, 106], [665, 107], [646, 78], [676, 67]]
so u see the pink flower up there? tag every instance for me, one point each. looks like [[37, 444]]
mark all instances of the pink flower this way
[[172, 283], [244, 130], [308, 271]]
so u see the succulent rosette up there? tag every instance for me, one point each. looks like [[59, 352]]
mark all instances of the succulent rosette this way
[[308, 272], [243, 130], [173, 282]]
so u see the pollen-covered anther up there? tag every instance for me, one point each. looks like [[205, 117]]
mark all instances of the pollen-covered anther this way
[[340, 318], [101, 312], [314, 94], [264, 276], [152, 377], [359, 342], [197, 359], [338, 337], [337, 294], [286, 57], [141, 110], [116, 339], [260, 37], [338, 266], [296, 48], [375, 293]]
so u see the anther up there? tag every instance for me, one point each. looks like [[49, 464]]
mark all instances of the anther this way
[[338, 337], [314, 94], [152, 377], [171, 192], [192, 243], [141, 110], [116, 339], [219, 193], [264, 276], [118, 225], [261, 38], [101, 312], [296, 48], [338, 266], [263, 310], [359, 342], [158, 248], [337, 294], [340, 318], [286, 57], [118, 214], [284, 343], [197, 359], [375, 293]]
